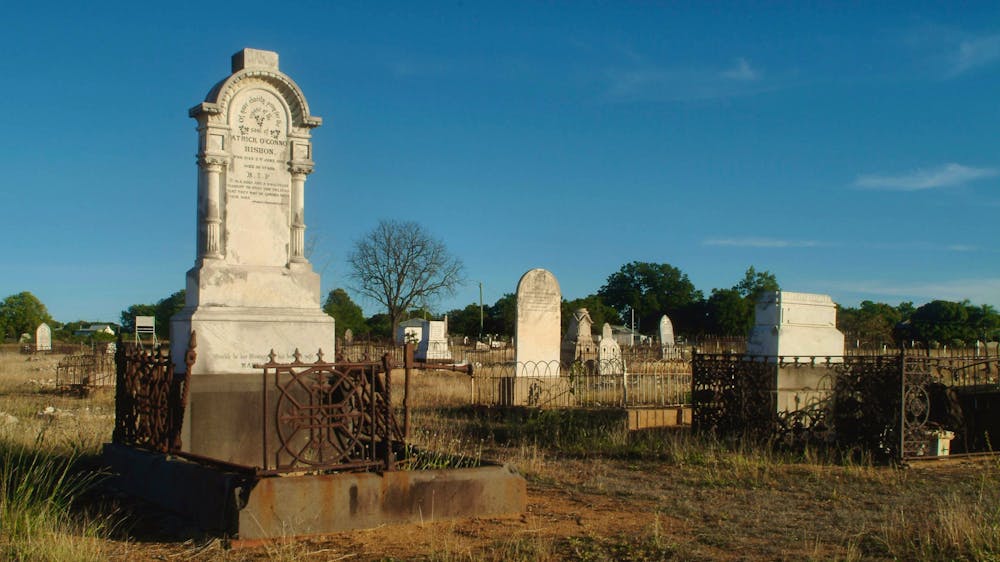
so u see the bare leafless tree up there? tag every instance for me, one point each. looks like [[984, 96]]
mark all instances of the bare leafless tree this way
[[399, 264]]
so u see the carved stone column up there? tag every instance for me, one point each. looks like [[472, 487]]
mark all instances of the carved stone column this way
[[211, 167], [299, 172]]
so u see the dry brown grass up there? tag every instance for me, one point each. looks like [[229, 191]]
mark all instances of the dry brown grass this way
[[595, 493]]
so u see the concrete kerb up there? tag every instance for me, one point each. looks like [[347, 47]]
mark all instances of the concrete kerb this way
[[249, 508]]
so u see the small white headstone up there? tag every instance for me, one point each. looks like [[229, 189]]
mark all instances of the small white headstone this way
[[348, 336], [609, 354], [435, 343], [43, 337], [536, 331]]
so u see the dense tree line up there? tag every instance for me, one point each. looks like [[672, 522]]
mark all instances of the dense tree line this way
[[934, 324]]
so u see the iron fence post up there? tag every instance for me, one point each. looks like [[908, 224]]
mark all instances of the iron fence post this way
[[387, 365]]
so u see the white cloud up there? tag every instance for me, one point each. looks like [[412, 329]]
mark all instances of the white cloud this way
[[742, 71], [949, 175], [974, 53], [922, 247], [754, 242], [640, 80], [979, 291]]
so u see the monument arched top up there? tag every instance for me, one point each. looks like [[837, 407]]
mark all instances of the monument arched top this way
[[251, 67]]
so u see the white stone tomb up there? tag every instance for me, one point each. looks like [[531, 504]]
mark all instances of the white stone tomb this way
[[791, 324]]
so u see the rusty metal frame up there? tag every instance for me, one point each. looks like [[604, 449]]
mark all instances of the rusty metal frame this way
[[82, 371], [919, 373], [327, 416], [150, 397]]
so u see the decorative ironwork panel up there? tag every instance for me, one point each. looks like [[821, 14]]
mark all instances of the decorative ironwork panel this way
[[866, 404], [733, 395], [328, 416], [150, 398], [931, 406], [854, 404]]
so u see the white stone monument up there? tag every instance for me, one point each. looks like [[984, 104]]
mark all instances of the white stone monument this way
[[666, 336], [43, 337], [609, 353], [578, 343], [251, 289], [791, 324], [536, 331], [430, 338]]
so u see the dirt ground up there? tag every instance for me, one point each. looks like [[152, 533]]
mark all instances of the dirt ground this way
[[606, 509]]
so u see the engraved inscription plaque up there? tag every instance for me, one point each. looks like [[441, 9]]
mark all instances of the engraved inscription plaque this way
[[258, 183]]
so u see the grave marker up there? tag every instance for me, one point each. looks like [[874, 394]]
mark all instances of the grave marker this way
[[252, 288], [536, 331], [43, 337], [609, 353]]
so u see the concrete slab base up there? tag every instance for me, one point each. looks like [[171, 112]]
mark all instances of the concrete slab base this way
[[250, 508]]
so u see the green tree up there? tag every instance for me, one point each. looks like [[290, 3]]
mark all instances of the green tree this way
[[128, 315], [600, 312], [984, 322], [347, 314], [872, 323], [21, 314], [651, 290], [754, 283], [501, 316], [162, 310], [379, 325], [465, 321], [730, 313], [400, 265], [942, 321], [165, 309]]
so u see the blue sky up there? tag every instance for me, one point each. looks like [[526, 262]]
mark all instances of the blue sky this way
[[851, 151]]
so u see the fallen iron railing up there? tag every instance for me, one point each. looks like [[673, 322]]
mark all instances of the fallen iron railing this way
[[150, 397], [328, 416]]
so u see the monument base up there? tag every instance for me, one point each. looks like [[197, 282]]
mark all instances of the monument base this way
[[224, 417], [234, 339], [247, 508]]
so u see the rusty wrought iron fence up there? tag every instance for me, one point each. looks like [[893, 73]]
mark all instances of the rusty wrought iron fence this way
[[895, 406], [328, 416], [150, 398], [92, 368], [948, 398]]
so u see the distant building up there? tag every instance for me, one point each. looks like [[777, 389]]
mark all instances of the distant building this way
[[95, 329], [627, 337]]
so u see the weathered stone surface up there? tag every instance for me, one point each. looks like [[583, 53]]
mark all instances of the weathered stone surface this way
[[536, 332], [578, 343], [430, 338], [666, 333], [251, 289], [791, 324], [43, 337], [609, 355]]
